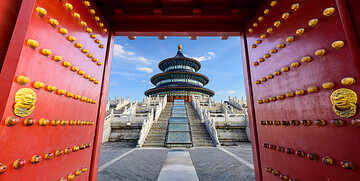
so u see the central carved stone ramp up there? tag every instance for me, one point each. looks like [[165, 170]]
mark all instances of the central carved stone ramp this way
[[179, 131], [200, 135], [157, 134]]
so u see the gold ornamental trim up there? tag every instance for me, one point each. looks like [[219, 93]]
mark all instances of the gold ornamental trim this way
[[25, 99], [344, 102]]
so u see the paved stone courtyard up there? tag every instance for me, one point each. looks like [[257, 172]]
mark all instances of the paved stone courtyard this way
[[122, 161]]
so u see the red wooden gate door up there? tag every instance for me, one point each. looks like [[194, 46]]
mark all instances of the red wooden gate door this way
[[52, 80], [303, 68]]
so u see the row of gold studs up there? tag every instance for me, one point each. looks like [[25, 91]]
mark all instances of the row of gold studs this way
[[77, 16], [311, 156], [312, 23], [38, 85], [53, 22], [71, 176], [261, 18], [46, 52], [64, 31], [327, 85], [96, 18], [294, 7], [306, 122], [19, 163], [277, 173], [70, 7], [11, 121], [306, 59]]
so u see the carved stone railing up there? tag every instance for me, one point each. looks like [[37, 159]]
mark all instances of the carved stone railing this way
[[204, 117], [228, 117], [123, 103], [118, 102], [160, 107], [107, 127], [151, 118], [235, 104], [197, 107], [145, 128], [210, 126]]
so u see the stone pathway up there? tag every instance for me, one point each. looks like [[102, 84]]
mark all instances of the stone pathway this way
[[122, 161], [178, 167]]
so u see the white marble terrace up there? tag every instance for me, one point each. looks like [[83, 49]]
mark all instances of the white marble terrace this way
[[218, 117]]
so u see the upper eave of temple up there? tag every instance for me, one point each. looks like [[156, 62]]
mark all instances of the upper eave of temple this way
[[179, 75], [179, 59]]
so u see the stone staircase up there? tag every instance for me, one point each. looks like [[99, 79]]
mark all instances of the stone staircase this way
[[200, 135], [120, 131], [157, 134]]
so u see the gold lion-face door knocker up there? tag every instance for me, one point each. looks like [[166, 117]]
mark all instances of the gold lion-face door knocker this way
[[344, 102], [24, 102]]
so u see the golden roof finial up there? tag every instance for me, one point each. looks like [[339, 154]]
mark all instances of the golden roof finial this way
[[179, 48]]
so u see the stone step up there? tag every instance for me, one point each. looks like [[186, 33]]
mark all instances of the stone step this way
[[201, 138], [155, 142], [155, 139], [158, 130], [203, 145], [198, 130], [159, 126], [204, 131], [202, 141], [152, 145], [156, 134], [178, 145], [200, 135], [197, 124], [198, 127], [161, 122]]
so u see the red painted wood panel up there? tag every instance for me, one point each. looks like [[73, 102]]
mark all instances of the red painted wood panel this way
[[10, 8], [251, 111], [339, 143], [22, 142]]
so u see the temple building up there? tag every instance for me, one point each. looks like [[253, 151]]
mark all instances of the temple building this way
[[179, 79]]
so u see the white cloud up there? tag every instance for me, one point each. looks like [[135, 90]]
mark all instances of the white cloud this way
[[144, 81], [120, 52], [211, 53], [208, 56], [145, 69], [220, 92], [114, 84], [230, 92]]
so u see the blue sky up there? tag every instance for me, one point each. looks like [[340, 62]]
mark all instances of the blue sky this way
[[136, 61]]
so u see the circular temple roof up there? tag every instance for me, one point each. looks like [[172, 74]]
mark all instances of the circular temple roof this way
[[179, 75], [179, 59]]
